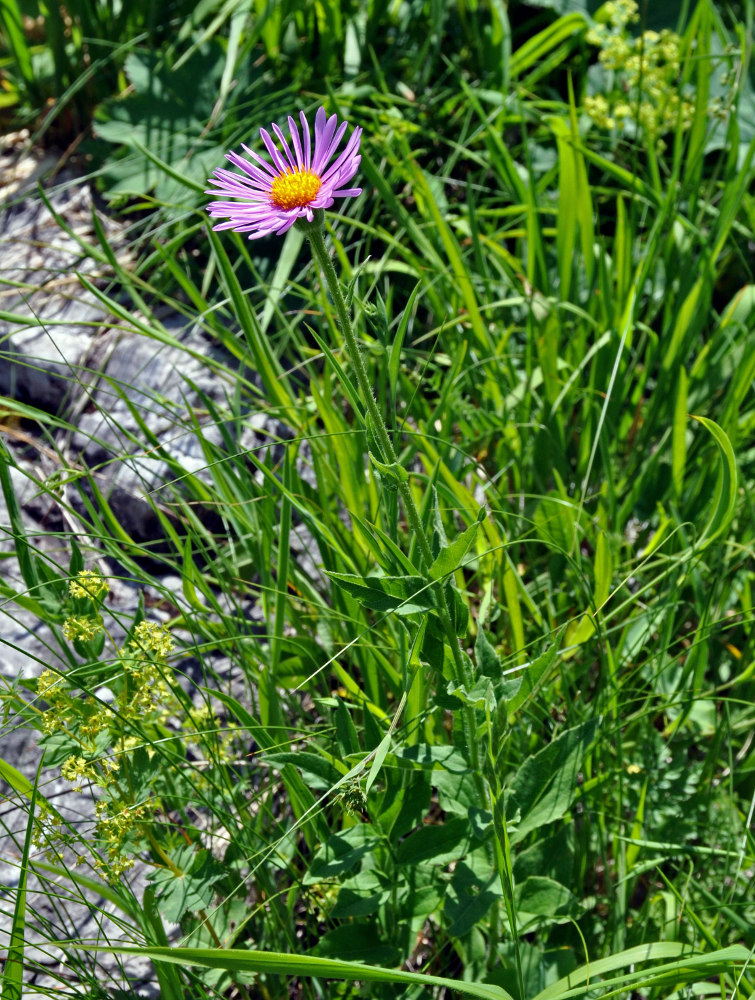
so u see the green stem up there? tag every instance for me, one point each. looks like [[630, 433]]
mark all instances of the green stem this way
[[317, 241]]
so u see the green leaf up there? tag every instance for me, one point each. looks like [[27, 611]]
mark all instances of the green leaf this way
[[543, 897], [679, 434], [603, 569], [380, 755], [468, 899], [532, 677], [59, 747], [341, 852], [277, 963], [163, 116], [356, 942], [435, 845], [488, 661], [361, 895], [143, 770], [11, 15], [459, 610], [192, 888], [545, 785], [450, 556], [690, 966], [318, 772], [457, 791], [346, 732], [566, 28], [405, 801], [551, 856], [430, 756], [403, 595], [394, 471], [726, 488], [480, 696]]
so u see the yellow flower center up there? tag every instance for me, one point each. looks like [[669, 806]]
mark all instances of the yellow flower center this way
[[295, 188]]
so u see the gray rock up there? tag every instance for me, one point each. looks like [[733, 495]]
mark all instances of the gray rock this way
[[58, 318], [137, 423]]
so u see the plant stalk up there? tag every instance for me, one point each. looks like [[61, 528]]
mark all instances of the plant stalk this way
[[314, 232]]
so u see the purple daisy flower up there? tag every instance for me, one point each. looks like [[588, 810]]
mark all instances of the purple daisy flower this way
[[269, 199]]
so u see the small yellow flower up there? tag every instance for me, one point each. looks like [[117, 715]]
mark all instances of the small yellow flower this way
[[621, 12], [153, 638], [126, 743], [89, 584], [109, 765], [83, 627], [47, 681], [598, 109], [53, 722], [114, 867], [75, 770]]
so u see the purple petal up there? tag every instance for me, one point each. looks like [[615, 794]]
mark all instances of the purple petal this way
[[286, 150], [323, 135], [307, 140], [272, 149], [347, 160], [323, 156], [295, 139], [255, 156]]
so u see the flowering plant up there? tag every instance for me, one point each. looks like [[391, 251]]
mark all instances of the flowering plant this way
[[296, 191]]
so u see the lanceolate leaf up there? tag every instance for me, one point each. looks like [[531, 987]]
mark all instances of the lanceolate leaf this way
[[401, 594], [726, 489], [450, 556], [242, 960], [693, 968]]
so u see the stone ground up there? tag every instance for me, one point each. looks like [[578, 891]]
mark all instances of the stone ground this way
[[70, 359]]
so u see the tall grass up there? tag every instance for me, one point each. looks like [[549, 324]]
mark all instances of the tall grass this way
[[556, 319]]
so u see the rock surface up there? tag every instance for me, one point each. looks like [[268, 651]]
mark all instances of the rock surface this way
[[128, 410]]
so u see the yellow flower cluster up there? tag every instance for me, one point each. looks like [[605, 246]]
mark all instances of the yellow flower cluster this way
[[48, 832], [83, 627], [89, 584], [98, 718], [77, 770], [130, 695], [115, 820], [646, 87], [145, 668], [152, 638], [114, 867], [54, 690], [141, 695]]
